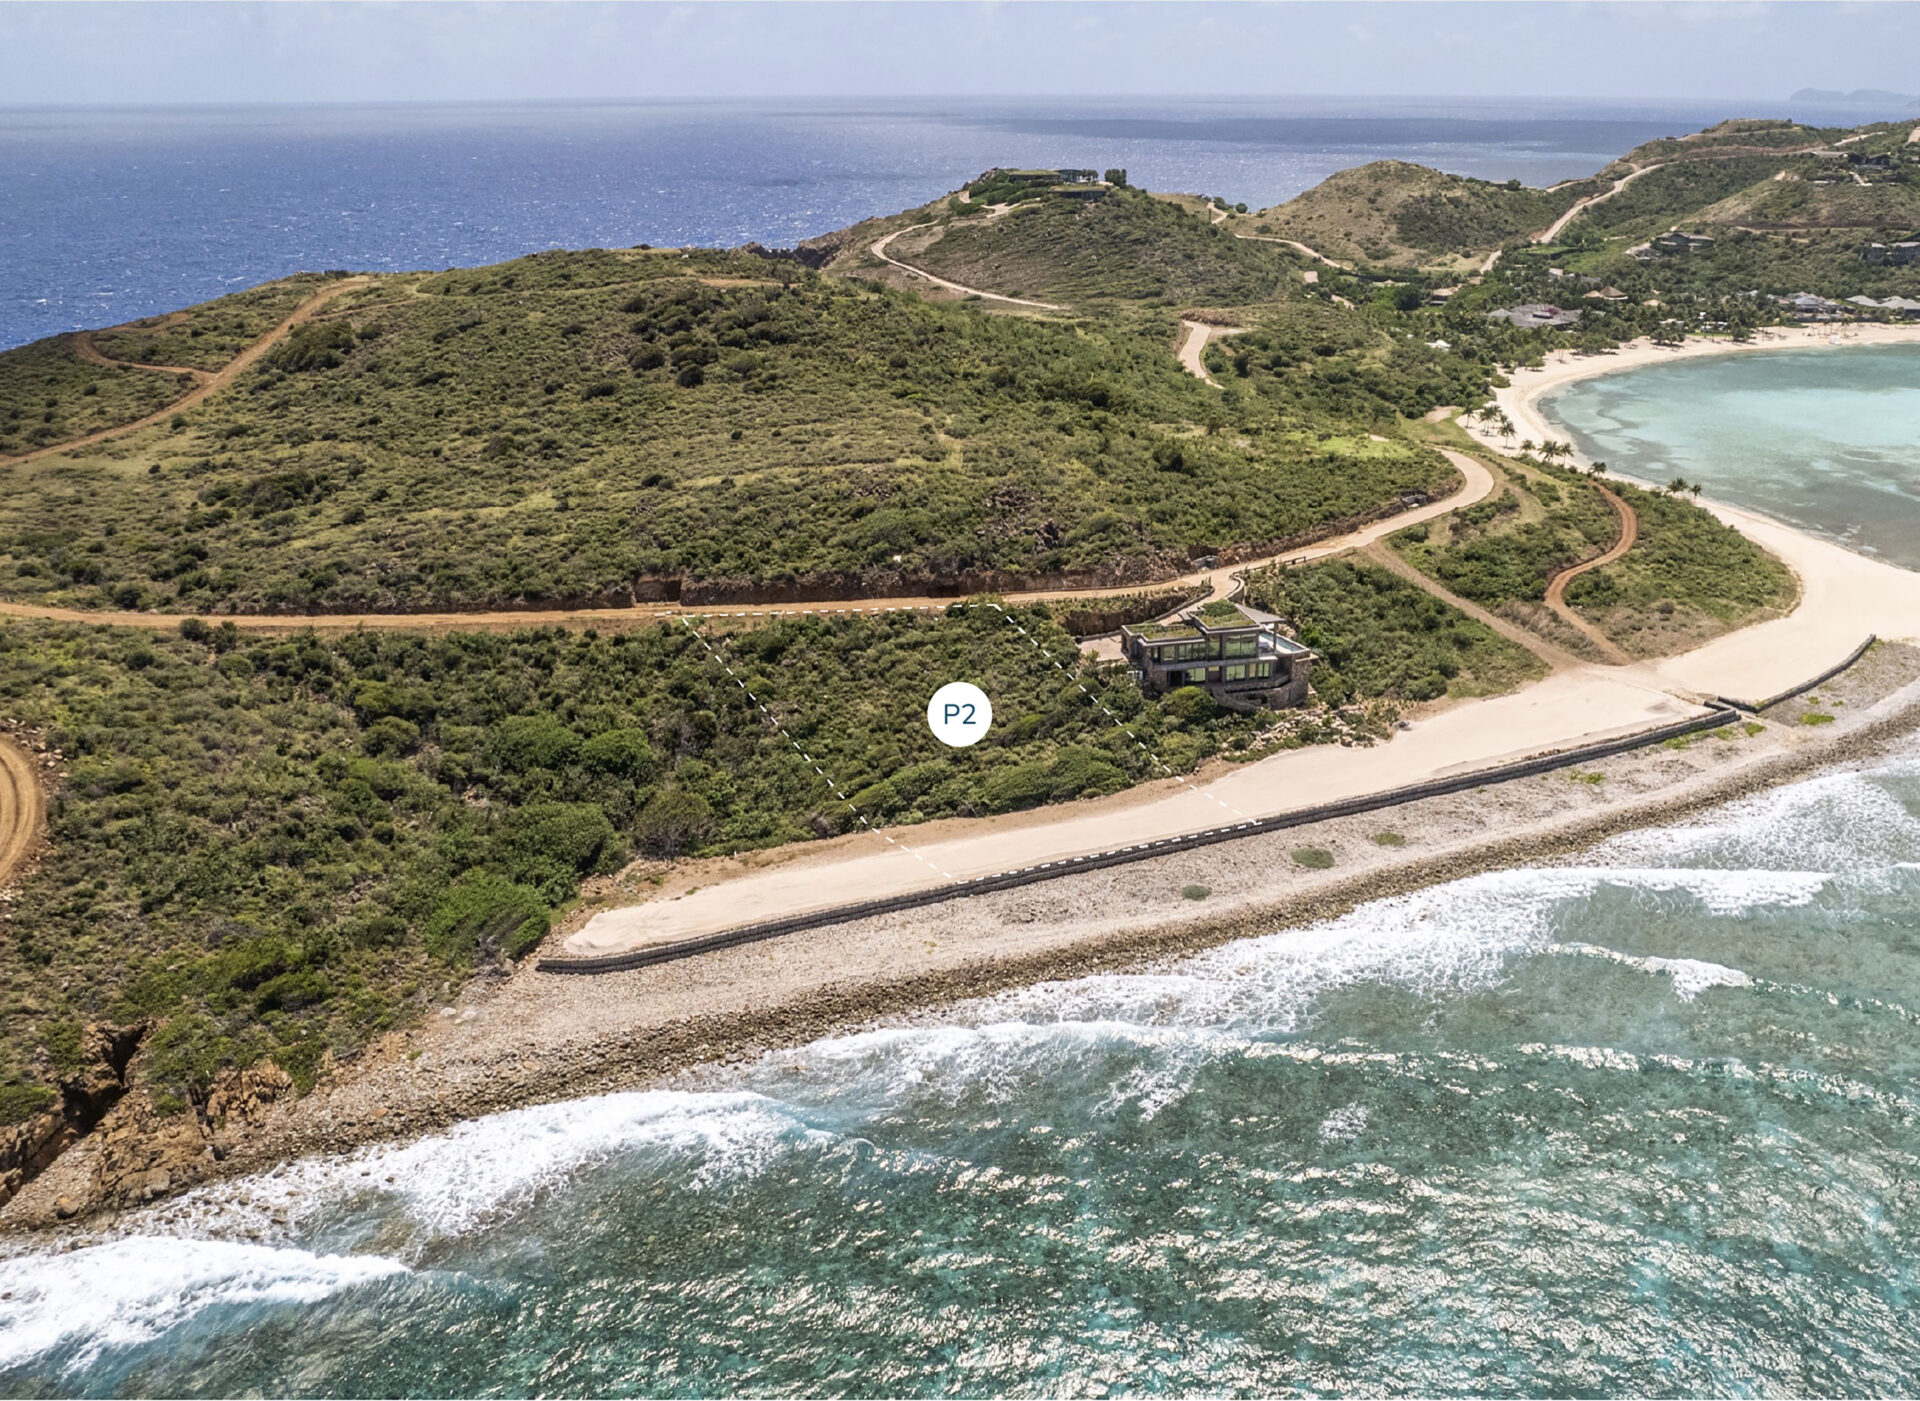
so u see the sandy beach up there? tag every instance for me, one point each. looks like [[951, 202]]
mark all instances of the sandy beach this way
[[1521, 399]]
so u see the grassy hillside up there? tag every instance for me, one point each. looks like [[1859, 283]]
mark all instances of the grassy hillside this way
[[207, 336], [49, 395], [1402, 215], [572, 426], [1125, 245], [1377, 634], [1800, 204], [1687, 578]]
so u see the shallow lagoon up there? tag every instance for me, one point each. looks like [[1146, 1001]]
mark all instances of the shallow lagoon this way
[[1824, 439]]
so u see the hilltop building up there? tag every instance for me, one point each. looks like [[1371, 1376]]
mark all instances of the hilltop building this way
[[1238, 654]]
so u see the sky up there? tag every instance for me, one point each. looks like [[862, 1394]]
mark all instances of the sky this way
[[60, 52]]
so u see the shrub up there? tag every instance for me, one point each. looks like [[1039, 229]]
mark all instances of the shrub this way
[[544, 840], [1314, 858], [18, 1103], [523, 742], [1195, 892], [1388, 839], [483, 913], [673, 822], [622, 754]]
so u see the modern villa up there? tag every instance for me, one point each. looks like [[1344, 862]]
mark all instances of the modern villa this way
[[1237, 653]]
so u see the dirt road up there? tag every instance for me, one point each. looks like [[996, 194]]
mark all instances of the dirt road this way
[[1194, 336], [879, 250], [1557, 586], [212, 384], [1556, 658], [22, 810], [1477, 485], [83, 346]]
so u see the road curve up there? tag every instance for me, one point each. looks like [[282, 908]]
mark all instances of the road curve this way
[[1477, 484], [1557, 586], [879, 250], [83, 346], [1194, 336], [22, 808], [207, 387]]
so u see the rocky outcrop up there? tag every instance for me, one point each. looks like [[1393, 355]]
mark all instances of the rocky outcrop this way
[[86, 1098], [137, 1154]]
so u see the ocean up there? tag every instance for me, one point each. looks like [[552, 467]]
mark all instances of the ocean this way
[[112, 214], [1649, 1124], [1823, 439]]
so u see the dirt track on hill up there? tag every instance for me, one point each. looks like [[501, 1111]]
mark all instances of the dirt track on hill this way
[[1194, 336], [22, 809], [1477, 484], [1556, 658], [212, 384], [1557, 586], [879, 250]]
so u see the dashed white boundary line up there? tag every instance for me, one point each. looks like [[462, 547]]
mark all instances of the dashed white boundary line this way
[[778, 729], [1138, 742], [1037, 645]]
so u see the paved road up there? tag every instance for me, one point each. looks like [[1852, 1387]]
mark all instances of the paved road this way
[[1194, 336]]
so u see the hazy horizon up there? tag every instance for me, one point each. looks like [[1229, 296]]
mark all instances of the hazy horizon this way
[[242, 52]]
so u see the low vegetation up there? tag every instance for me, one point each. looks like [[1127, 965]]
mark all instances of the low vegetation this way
[[1688, 577], [49, 395], [1126, 245], [207, 336], [288, 845], [1505, 549], [1378, 636], [545, 430], [1396, 214]]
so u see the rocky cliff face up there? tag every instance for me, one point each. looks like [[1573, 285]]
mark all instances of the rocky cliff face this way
[[135, 1153], [85, 1099]]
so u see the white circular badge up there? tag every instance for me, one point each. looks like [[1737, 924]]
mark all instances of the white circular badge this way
[[959, 714]]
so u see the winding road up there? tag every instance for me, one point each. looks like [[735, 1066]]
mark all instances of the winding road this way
[[1194, 336], [22, 808], [1556, 598], [211, 384], [879, 250]]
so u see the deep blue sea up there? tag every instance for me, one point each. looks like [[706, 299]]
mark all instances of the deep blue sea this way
[[107, 215]]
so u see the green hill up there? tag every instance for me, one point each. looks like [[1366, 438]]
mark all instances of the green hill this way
[[1118, 243], [596, 426], [1396, 214]]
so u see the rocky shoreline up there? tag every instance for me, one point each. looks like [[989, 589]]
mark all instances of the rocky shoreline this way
[[533, 1038]]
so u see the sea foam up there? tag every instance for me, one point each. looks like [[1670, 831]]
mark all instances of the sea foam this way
[[130, 1291]]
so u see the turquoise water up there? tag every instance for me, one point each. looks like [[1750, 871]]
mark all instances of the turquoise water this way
[[1647, 1125], [1826, 439]]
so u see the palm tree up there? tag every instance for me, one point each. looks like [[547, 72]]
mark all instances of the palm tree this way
[[1504, 423]]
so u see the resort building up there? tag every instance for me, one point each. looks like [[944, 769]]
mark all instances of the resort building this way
[[1238, 654], [1535, 316]]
